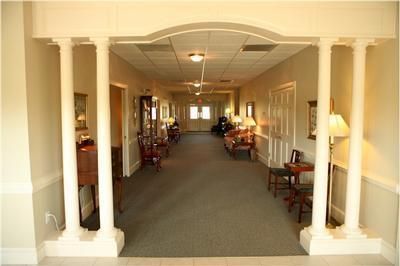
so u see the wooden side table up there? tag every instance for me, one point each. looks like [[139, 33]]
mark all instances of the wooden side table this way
[[242, 145], [297, 168]]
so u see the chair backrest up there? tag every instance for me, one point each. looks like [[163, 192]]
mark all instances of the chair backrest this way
[[296, 156]]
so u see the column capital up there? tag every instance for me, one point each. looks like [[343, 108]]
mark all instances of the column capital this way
[[326, 42], [101, 41], [361, 44], [64, 42]]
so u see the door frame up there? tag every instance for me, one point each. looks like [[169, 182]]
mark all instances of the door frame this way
[[284, 86], [125, 126]]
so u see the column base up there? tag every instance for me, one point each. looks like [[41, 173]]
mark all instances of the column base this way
[[339, 244], [352, 233], [87, 245], [72, 235]]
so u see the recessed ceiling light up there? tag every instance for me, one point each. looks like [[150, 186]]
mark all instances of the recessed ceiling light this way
[[197, 93], [196, 57], [196, 84]]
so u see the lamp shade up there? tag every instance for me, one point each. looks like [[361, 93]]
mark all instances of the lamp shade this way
[[249, 122], [337, 126], [171, 120], [227, 110], [236, 119]]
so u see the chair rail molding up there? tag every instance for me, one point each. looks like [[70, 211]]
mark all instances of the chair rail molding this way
[[29, 187]]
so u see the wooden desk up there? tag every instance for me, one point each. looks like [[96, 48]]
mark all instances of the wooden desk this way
[[88, 174]]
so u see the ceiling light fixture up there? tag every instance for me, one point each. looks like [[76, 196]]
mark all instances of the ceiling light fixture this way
[[197, 93], [196, 84], [196, 57]]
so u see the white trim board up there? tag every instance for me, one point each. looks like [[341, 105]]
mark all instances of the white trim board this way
[[134, 167], [22, 255], [261, 135], [262, 158], [29, 187]]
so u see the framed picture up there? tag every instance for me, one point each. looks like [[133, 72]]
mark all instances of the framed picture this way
[[312, 118], [80, 101], [134, 107], [250, 109]]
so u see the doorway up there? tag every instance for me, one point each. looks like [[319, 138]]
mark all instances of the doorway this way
[[200, 117], [282, 107], [119, 123]]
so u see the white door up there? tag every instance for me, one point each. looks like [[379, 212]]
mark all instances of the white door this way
[[200, 117], [282, 124]]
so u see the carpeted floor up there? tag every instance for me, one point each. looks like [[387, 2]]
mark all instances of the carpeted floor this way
[[204, 203]]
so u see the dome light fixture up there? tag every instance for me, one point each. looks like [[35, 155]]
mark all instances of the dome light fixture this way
[[197, 93], [196, 84], [196, 57]]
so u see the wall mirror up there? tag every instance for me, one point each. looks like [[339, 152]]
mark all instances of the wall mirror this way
[[80, 100], [250, 109]]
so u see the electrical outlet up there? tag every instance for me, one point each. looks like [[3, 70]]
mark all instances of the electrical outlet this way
[[47, 217]]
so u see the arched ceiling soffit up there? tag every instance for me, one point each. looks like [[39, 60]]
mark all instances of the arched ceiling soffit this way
[[216, 26]]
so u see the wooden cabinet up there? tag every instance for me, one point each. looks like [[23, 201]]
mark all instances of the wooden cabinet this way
[[148, 115]]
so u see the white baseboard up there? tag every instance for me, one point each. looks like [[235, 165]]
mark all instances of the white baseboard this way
[[262, 159], [388, 251], [22, 255], [337, 214], [134, 167]]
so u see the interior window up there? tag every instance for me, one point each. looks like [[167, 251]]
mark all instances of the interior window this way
[[194, 113], [206, 112]]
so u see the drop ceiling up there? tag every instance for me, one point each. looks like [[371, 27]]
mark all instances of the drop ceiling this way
[[227, 65]]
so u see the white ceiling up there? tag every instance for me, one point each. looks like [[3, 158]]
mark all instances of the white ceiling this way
[[175, 71]]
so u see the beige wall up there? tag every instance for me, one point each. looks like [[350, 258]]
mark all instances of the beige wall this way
[[16, 166], [381, 141]]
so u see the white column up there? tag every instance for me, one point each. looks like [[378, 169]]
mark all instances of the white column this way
[[317, 228], [106, 206], [350, 227], [71, 198]]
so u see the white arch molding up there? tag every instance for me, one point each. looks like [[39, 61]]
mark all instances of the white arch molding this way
[[144, 22]]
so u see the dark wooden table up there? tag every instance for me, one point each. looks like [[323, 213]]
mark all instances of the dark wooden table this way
[[242, 145]]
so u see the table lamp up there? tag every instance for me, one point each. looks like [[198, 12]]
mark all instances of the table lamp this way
[[236, 120]]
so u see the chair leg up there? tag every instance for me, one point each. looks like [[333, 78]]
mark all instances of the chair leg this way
[[275, 185], [269, 180], [302, 199], [292, 197]]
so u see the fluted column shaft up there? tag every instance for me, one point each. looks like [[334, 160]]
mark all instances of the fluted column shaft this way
[[107, 229], [352, 211], [317, 227], [70, 175]]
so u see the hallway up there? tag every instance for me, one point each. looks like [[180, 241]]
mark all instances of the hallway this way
[[204, 203]]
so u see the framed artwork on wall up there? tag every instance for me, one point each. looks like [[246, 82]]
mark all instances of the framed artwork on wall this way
[[312, 118], [250, 109], [80, 101]]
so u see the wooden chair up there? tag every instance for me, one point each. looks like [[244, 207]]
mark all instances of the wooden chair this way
[[279, 173], [304, 192], [173, 133], [148, 152]]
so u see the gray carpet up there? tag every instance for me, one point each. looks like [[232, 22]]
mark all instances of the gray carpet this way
[[204, 203]]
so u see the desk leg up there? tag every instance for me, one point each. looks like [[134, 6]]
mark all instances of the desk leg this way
[[93, 188]]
